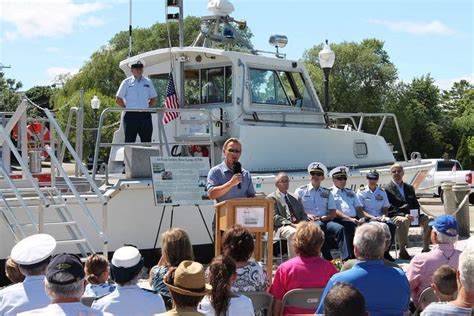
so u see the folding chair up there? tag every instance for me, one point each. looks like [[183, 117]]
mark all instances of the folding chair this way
[[302, 298], [262, 302]]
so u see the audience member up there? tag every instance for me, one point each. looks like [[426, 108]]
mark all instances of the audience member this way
[[350, 263], [221, 300], [238, 243], [65, 285], [464, 301], [97, 276], [444, 283], [344, 300], [444, 234], [385, 289], [175, 247], [128, 298], [287, 212], [403, 199], [32, 254], [12, 271], [187, 286], [300, 271], [319, 205], [375, 202]]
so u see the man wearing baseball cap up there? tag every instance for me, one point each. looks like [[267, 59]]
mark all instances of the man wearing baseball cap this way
[[128, 298], [32, 254], [444, 234], [65, 285]]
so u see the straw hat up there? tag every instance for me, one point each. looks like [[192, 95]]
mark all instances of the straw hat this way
[[189, 280]]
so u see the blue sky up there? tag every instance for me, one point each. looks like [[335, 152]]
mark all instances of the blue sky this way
[[40, 39]]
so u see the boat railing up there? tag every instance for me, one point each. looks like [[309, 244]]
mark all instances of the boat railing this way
[[203, 139]]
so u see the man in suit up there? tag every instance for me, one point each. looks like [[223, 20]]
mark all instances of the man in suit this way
[[402, 198], [287, 212]]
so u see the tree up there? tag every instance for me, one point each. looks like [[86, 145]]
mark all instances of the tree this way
[[463, 154], [9, 97]]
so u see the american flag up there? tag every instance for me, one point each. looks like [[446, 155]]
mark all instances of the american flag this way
[[171, 101]]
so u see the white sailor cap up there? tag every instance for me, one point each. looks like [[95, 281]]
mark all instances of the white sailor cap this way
[[33, 249], [339, 171], [126, 257], [317, 166]]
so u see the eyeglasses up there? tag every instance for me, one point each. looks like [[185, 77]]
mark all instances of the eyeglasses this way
[[397, 171], [341, 178], [234, 151], [315, 173]]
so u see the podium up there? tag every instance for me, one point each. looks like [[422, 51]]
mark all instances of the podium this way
[[255, 214]]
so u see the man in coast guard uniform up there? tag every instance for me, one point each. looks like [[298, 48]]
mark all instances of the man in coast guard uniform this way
[[128, 298], [137, 92], [349, 211], [319, 205], [375, 202], [32, 254], [65, 285]]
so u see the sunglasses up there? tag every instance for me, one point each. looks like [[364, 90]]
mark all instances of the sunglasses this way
[[397, 171], [234, 151], [315, 173]]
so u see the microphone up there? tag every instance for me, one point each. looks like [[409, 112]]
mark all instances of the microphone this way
[[237, 168]]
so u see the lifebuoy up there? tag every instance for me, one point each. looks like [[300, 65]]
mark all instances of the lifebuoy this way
[[35, 132]]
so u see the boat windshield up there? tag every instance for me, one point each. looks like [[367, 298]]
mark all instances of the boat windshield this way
[[277, 87], [208, 85]]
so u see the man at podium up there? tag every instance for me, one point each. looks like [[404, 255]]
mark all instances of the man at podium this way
[[228, 180]]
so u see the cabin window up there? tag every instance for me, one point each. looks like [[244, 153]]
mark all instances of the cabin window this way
[[208, 85], [447, 165], [160, 82], [360, 149], [279, 88]]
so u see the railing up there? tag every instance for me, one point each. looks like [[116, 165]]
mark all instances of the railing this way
[[163, 140]]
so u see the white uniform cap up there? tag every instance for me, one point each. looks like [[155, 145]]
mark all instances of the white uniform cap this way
[[126, 257], [33, 249], [317, 166], [339, 171]]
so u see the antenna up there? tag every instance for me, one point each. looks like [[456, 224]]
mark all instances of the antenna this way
[[2, 66], [130, 28]]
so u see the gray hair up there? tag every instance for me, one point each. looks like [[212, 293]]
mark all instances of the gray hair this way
[[443, 238], [280, 175], [466, 269], [396, 166], [370, 241], [386, 230], [56, 291]]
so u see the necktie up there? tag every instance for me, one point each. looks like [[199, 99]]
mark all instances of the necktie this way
[[293, 218]]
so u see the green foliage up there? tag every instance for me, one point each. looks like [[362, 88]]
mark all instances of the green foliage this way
[[463, 154], [41, 96], [9, 98]]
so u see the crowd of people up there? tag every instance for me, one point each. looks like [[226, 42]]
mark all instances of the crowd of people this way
[[314, 220]]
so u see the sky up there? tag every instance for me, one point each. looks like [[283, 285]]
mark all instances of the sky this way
[[40, 39]]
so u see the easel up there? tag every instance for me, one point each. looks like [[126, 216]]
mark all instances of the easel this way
[[171, 221]]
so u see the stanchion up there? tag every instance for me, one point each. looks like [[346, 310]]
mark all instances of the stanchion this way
[[448, 197], [461, 194]]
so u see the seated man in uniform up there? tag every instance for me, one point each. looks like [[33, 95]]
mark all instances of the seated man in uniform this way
[[375, 202], [319, 205], [32, 254], [288, 211], [403, 199]]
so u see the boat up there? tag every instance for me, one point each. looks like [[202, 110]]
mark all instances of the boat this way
[[226, 88]]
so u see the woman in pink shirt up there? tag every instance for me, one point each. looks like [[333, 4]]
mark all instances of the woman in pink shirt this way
[[306, 270]]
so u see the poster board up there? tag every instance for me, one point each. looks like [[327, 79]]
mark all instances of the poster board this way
[[180, 180]]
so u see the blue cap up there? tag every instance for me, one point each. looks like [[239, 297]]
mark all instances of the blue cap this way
[[445, 224]]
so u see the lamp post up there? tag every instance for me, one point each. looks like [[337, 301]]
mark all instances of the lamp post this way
[[326, 61], [95, 105]]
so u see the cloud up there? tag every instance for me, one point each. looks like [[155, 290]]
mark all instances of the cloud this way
[[92, 21], [53, 72], [418, 28], [40, 18], [446, 84]]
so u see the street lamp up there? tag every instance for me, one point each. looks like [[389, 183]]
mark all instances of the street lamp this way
[[326, 61], [95, 105]]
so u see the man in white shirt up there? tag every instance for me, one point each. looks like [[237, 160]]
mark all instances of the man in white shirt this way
[[65, 285], [128, 298], [32, 254]]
